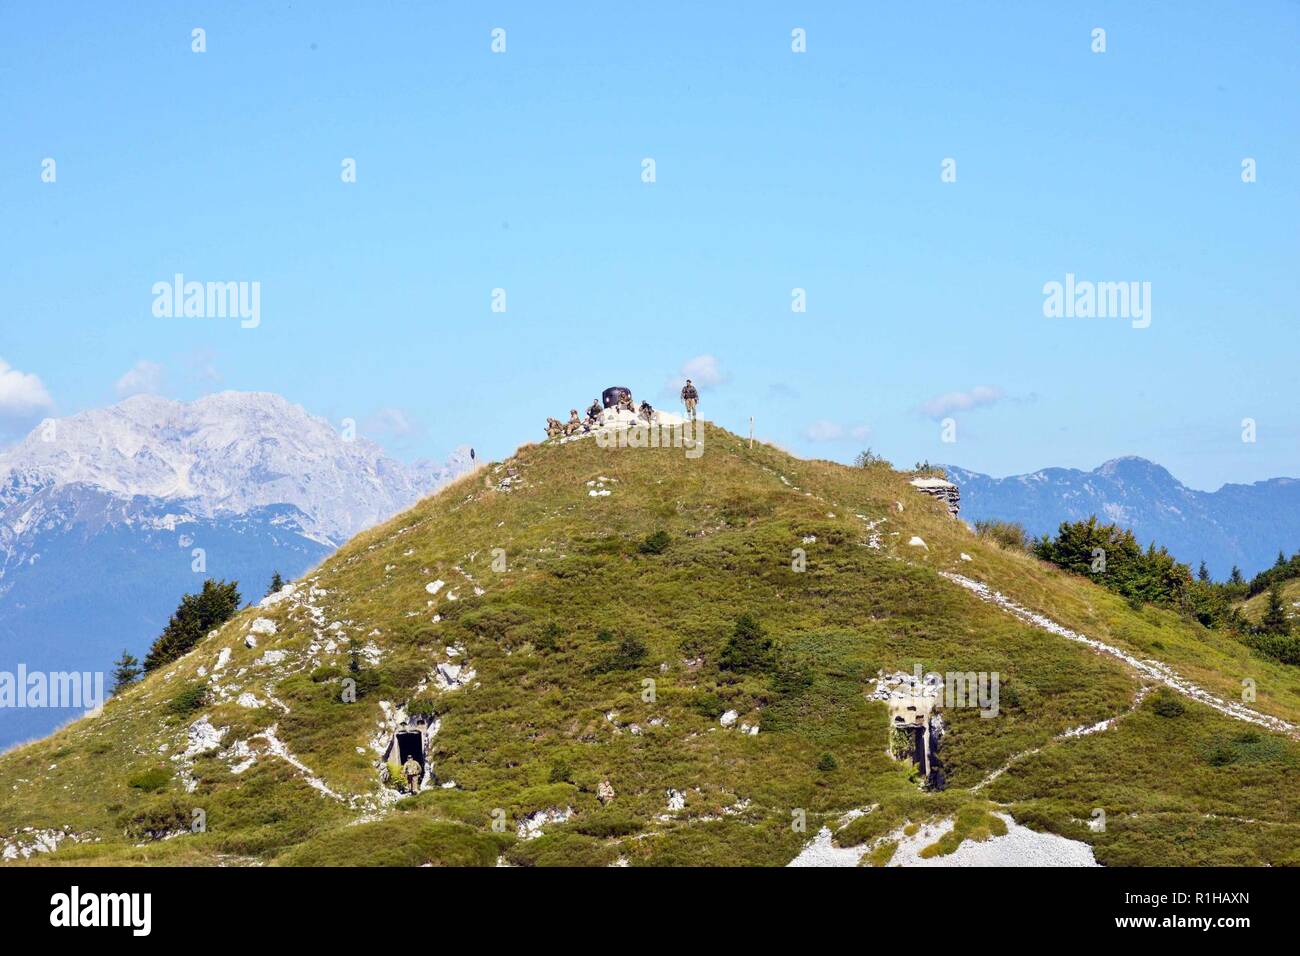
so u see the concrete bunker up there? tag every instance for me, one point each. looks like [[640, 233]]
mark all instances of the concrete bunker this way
[[941, 490], [915, 726], [411, 739]]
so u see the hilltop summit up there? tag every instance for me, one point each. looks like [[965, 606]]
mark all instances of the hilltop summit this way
[[622, 655]]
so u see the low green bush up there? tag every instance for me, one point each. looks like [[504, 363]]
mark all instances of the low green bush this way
[[150, 780], [656, 543], [1167, 704], [189, 700]]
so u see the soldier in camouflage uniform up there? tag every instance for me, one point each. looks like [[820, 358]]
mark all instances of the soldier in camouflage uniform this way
[[412, 770], [690, 397]]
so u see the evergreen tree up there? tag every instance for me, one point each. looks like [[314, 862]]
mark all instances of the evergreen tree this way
[[126, 671], [196, 615], [748, 648], [1275, 620], [1203, 573], [1236, 577], [277, 582], [1112, 557]]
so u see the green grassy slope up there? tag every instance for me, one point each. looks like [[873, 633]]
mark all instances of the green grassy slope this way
[[1254, 607], [554, 708]]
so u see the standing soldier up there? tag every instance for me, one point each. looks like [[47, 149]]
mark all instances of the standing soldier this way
[[690, 396], [412, 770]]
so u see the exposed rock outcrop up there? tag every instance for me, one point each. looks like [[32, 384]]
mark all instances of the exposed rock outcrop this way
[[940, 489]]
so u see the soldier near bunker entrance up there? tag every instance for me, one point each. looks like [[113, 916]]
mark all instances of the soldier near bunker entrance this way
[[412, 770]]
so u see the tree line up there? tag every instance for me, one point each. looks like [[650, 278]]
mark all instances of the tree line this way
[[195, 617], [1112, 557]]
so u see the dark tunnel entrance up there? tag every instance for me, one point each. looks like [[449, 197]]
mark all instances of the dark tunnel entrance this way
[[410, 743]]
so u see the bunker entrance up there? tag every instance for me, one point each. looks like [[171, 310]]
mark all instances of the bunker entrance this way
[[914, 731], [408, 744]]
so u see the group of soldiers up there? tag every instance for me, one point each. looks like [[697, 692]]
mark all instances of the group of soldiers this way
[[645, 411], [575, 425]]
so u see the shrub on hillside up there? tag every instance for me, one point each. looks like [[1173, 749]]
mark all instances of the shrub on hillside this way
[[496, 622], [1167, 704], [1284, 649], [562, 849], [150, 780], [154, 821], [1008, 534], [629, 652], [869, 459], [656, 543], [189, 700], [561, 772], [549, 637], [827, 762], [707, 704], [748, 649], [423, 706], [927, 469], [792, 677]]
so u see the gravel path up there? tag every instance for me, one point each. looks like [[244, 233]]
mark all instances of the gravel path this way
[[1156, 670]]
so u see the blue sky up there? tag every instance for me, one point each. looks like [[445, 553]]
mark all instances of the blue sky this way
[[774, 170]]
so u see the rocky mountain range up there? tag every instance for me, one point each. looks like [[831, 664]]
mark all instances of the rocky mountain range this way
[[1242, 525], [108, 516]]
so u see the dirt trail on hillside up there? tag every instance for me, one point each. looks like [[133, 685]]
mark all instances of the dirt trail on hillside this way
[[1155, 670]]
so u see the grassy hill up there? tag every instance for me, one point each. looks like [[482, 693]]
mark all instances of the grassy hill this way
[[1253, 607], [593, 653]]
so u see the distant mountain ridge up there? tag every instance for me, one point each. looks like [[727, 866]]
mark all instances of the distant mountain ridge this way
[[1239, 524], [225, 453], [109, 515]]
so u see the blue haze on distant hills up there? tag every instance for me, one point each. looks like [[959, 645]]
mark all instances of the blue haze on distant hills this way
[[1245, 525]]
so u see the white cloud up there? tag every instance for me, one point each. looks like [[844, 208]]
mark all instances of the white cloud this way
[[22, 394], [393, 422], [703, 371], [143, 378], [950, 402], [824, 430]]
